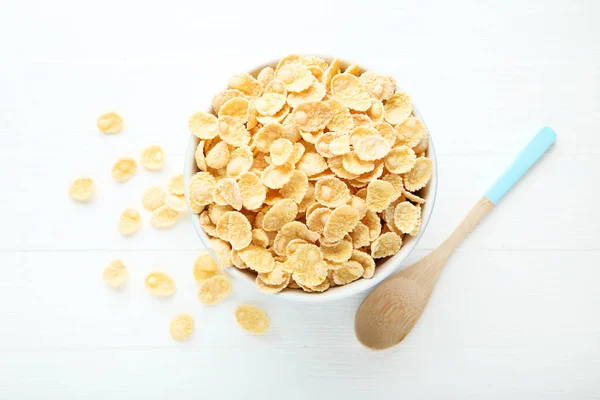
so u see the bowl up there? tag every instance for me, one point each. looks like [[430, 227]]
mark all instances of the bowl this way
[[384, 268]]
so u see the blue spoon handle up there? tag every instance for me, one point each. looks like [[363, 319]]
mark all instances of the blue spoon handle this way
[[530, 154]]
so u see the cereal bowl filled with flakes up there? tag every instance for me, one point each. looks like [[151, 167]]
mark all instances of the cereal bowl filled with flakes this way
[[310, 177]]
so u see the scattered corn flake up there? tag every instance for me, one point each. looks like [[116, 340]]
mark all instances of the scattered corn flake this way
[[348, 90], [387, 244], [276, 86], [295, 77], [410, 132], [201, 187], [203, 125], [82, 189], [233, 131], [205, 267], [153, 198], [160, 284], [252, 319], [341, 221], [227, 191], [281, 213], [362, 120], [223, 96], [316, 220], [311, 163], [312, 116], [270, 103], [265, 75], [331, 192], [129, 222], [115, 274], [110, 123], [337, 252], [348, 272], [124, 169], [176, 185], [330, 72], [163, 217], [246, 83], [214, 290], [236, 107], [397, 108], [315, 92], [296, 187], [240, 161], [359, 204], [257, 258], [280, 151], [379, 195], [275, 177], [400, 159], [252, 190], [153, 158], [418, 177], [222, 250], [382, 87], [260, 238], [352, 163], [181, 327]]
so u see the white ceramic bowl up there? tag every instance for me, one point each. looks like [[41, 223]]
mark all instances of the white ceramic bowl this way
[[384, 268]]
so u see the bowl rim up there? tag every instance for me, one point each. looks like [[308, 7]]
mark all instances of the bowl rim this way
[[384, 270]]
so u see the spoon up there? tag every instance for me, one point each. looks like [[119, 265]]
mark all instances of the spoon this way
[[390, 312]]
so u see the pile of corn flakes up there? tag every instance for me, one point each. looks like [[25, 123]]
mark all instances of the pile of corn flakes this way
[[308, 173]]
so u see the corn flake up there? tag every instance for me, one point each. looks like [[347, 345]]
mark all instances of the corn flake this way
[[252, 190], [260, 238], [367, 262], [227, 192], [153, 198], [246, 84], [233, 131], [332, 192], [312, 116], [348, 90], [153, 158], [281, 213], [276, 86], [130, 222], [379, 195], [268, 134], [214, 290], [201, 188], [317, 219], [275, 177], [236, 107], [205, 267], [290, 231], [419, 175], [330, 72], [203, 125], [296, 187], [400, 159], [397, 108], [337, 252], [336, 165], [381, 87], [124, 169], [176, 185], [387, 244], [257, 258], [280, 151], [270, 103], [295, 77], [115, 274], [368, 144], [360, 235], [223, 96], [348, 272], [311, 163], [82, 189], [315, 92], [252, 319], [163, 217], [341, 222], [352, 163], [181, 327], [265, 75], [306, 265], [218, 156], [160, 284], [362, 120], [110, 123], [222, 250]]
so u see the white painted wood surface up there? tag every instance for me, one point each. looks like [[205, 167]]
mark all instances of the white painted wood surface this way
[[516, 312]]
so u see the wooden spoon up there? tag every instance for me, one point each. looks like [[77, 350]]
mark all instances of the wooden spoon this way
[[390, 312]]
